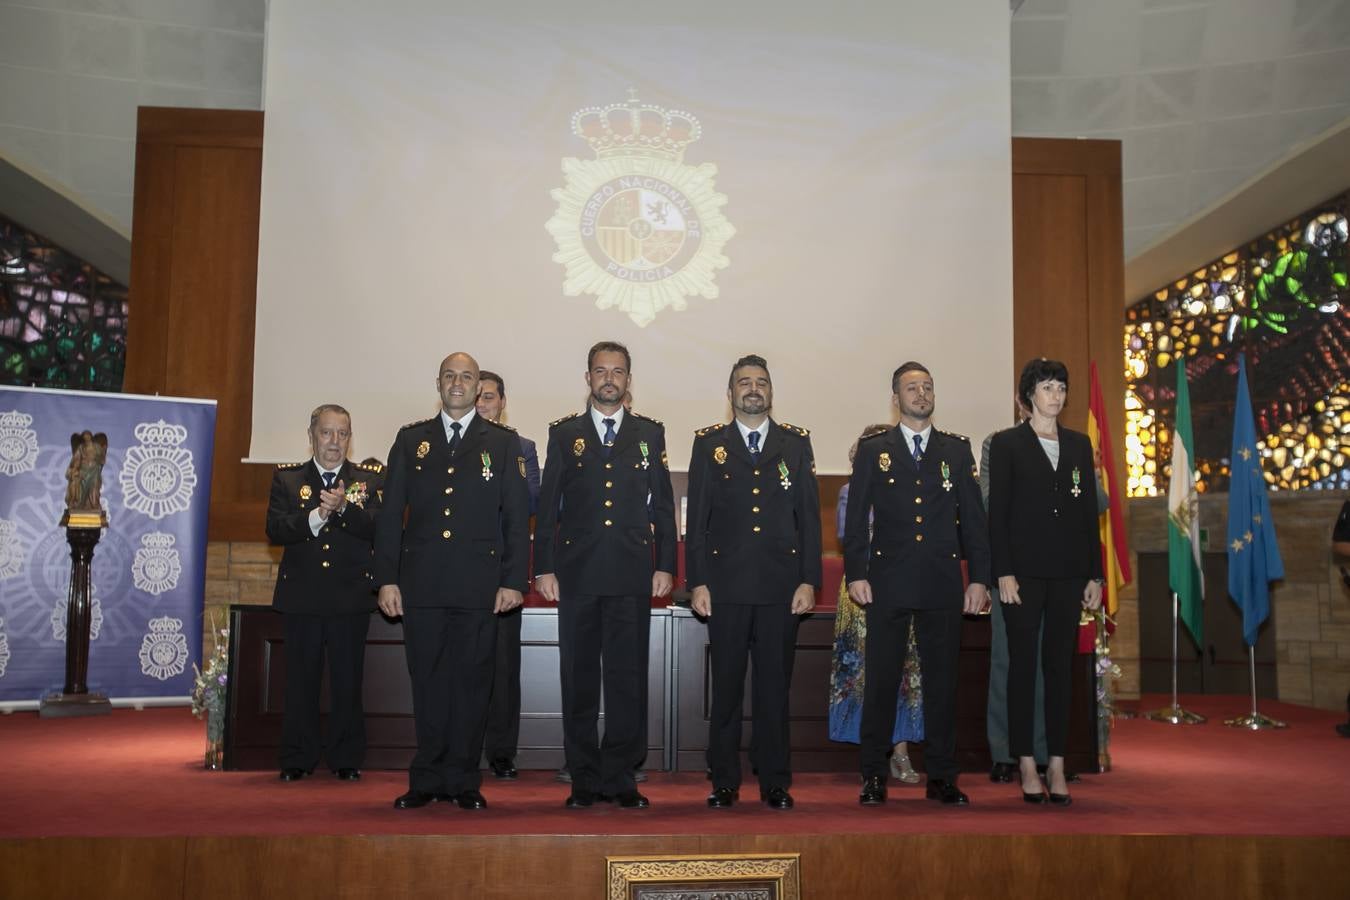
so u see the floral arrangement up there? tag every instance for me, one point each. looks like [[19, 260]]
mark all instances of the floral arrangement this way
[[208, 689], [357, 494]]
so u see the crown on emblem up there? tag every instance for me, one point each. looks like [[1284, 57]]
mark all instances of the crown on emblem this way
[[161, 433], [15, 419], [636, 129], [157, 539], [165, 625]]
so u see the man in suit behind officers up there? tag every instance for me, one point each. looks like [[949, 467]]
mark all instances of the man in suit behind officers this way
[[604, 545], [322, 512], [459, 562], [752, 558], [920, 485]]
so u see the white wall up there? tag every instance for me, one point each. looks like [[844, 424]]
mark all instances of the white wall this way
[[72, 73]]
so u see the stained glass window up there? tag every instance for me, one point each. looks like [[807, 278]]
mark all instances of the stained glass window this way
[[1283, 299], [63, 323]]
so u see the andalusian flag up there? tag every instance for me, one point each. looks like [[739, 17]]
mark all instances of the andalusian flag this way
[[1110, 521], [1183, 517]]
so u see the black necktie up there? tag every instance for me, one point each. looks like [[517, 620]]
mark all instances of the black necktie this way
[[328, 479], [454, 438], [754, 446], [918, 449]]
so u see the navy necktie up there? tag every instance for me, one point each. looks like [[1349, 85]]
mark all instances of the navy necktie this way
[[328, 479], [454, 439], [609, 434], [754, 445], [918, 449]]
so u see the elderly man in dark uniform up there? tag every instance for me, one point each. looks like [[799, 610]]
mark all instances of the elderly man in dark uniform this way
[[604, 545], [920, 484], [323, 513], [752, 560], [459, 562], [503, 724]]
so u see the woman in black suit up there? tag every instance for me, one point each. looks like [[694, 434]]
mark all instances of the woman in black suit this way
[[1048, 560]]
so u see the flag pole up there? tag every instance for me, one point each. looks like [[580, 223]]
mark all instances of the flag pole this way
[[1174, 714], [1254, 721]]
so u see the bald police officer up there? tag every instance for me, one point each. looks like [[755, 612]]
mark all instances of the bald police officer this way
[[461, 560]]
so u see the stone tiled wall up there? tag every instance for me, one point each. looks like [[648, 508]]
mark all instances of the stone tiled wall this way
[[1310, 608], [238, 572]]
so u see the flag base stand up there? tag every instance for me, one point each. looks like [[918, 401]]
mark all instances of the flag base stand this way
[[1255, 722], [1175, 715]]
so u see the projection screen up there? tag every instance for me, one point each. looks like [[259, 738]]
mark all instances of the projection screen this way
[[827, 185]]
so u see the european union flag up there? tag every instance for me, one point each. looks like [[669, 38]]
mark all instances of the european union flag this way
[[1253, 555]]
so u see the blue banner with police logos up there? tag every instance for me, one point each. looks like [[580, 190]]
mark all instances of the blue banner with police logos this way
[[149, 568]]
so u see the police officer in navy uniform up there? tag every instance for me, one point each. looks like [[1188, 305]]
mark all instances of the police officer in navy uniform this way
[[920, 485], [323, 513], [503, 724], [459, 562], [604, 545], [752, 560]]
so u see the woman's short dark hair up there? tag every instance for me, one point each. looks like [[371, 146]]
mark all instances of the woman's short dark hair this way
[[1038, 370]]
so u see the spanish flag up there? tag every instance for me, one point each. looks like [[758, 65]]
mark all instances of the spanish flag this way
[[1111, 521]]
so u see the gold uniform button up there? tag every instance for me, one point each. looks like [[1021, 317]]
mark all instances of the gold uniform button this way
[[918, 537], [609, 484], [325, 563], [918, 500], [756, 472], [754, 490], [918, 519], [609, 465], [449, 490], [447, 510], [325, 546], [754, 509], [609, 502], [756, 528], [890, 481], [608, 523], [446, 534], [450, 471]]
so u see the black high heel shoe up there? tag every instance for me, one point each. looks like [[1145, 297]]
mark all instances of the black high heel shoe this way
[[1038, 797], [1061, 799]]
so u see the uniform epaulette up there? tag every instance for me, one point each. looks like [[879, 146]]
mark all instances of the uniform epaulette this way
[[638, 415], [875, 434], [708, 429], [286, 467], [795, 429], [415, 424], [953, 434], [567, 418], [369, 467], [501, 425]]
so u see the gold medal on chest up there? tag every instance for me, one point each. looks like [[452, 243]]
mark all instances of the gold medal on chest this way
[[884, 461], [578, 446], [306, 492], [423, 449], [720, 455]]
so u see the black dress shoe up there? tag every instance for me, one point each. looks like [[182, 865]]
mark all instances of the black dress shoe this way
[[631, 800], [1060, 799], [504, 769], [292, 774], [348, 774], [947, 792], [580, 800], [470, 800], [776, 798], [873, 791], [723, 798], [1037, 797], [415, 799], [1002, 773]]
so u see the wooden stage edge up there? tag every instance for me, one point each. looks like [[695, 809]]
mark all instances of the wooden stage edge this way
[[832, 865]]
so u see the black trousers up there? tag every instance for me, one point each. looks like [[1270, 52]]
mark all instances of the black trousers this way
[[450, 652], [503, 722], [1056, 602], [766, 636], [937, 632], [307, 640], [604, 639]]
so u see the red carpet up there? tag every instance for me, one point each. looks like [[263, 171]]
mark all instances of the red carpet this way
[[139, 774]]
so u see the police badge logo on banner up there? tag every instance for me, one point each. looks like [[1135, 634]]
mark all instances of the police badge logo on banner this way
[[156, 567], [18, 443], [164, 649], [157, 477]]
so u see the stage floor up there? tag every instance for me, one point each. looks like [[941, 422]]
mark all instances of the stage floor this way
[[139, 774]]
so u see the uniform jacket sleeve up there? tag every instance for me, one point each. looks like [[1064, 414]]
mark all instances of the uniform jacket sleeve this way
[[857, 537], [531, 454], [550, 496], [1000, 503], [287, 523], [974, 524], [515, 515], [808, 517], [663, 506], [389, 519], [696, 519]]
